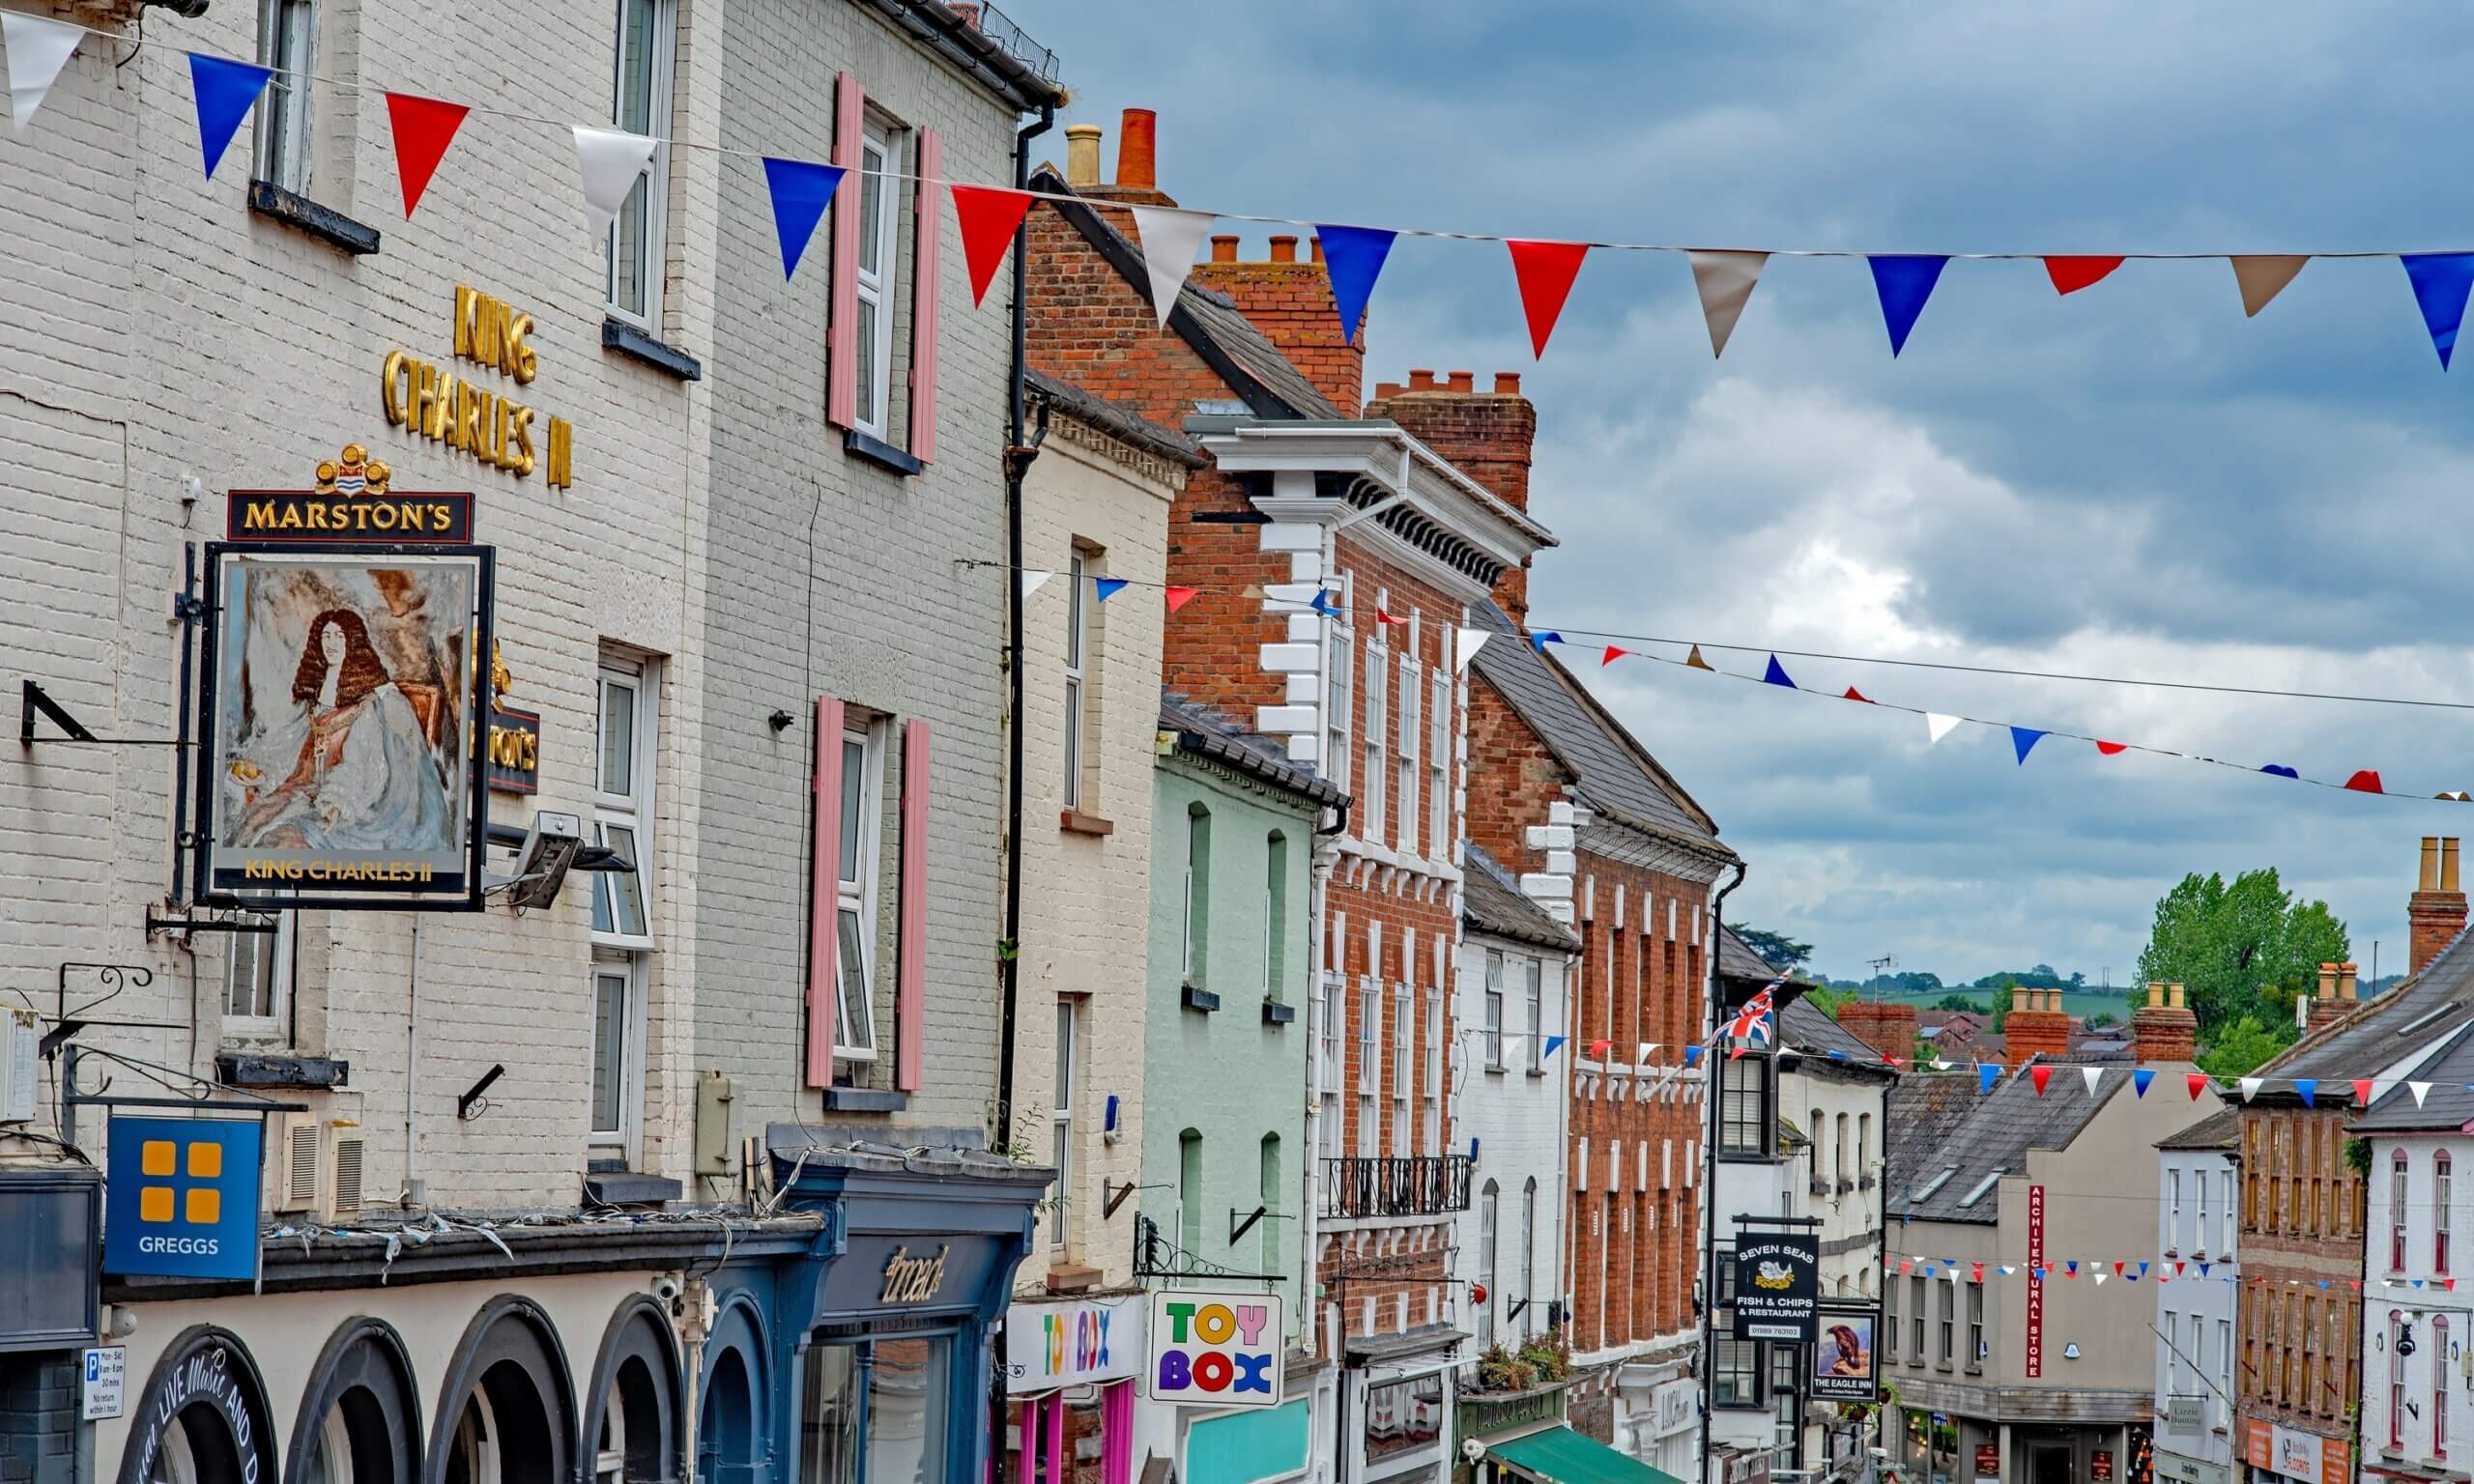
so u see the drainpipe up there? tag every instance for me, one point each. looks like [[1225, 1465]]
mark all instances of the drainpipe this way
[[1710, 1173], [1019, 454]]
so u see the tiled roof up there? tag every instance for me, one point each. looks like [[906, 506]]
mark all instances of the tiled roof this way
[[1114, 418], [1737, 960], [1491, 903], [2448, 1106], [1615, 774], [2220, 1129], [1990, 1138], [1207, 733], [2385, 1031]]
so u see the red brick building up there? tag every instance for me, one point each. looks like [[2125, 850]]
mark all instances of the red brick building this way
[[1338, 556]]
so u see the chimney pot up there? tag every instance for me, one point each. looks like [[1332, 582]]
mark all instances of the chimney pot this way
[[1223, 249], [1463, 383], [2327, 980], [1285, 247], [2019, 1001], [2174, 996], [1314, 249], [2431, 863], [2156, 995], [1138, 149], [1507, 383], [2348, 985], [1420, 381], [1385, 391], [1082, 156], [2448, 862]]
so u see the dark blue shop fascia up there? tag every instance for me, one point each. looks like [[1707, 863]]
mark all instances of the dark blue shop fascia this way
[[875, 1340]]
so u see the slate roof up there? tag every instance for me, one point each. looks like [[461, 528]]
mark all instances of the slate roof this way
[[1992, 1138], [1115, 420], [2450, 1104], [2220, 1129], [1207, 733], [2386, 1030], [1737, 960], [1491, 903], [1615, 774], [1205, 319], [1923, 1109]]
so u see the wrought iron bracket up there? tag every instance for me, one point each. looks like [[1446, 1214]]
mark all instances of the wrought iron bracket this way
[[1156, 1256], [170, 1079], [1112, 1197], [35, 702]]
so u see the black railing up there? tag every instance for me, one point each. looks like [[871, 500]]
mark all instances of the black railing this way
[[998, 27], [1427, 1186]]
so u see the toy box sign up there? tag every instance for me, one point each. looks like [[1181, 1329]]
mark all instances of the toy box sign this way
[[1216, 1350]]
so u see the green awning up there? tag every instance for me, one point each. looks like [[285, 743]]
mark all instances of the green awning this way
[[1561, 1456]]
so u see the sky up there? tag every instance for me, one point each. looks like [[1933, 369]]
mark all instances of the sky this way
[[2135, 480]]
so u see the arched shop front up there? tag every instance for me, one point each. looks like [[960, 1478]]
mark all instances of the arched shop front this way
[[359, 1420], [506, 1415], [202, 1415]]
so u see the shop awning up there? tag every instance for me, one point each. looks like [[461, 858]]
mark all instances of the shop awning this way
[[1561, 1456]]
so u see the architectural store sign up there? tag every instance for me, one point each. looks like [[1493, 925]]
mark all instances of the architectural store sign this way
[[1214, 1350]]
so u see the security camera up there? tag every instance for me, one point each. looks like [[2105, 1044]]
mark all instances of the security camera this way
[[541, 864], [667, 1291]]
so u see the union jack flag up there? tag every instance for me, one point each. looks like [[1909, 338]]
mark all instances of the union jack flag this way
[[1750, 1026]]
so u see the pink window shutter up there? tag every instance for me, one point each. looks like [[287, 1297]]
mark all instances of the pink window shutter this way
[[1117, 1433], [1056, 1444], [842, 336], [910, 987], [824, 875], [923, 295]]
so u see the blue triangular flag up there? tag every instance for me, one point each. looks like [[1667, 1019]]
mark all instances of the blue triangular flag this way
[[2203, 1267], [1322, 603], [1777, 674], [2280, 770], [2073, 1264], [2142, 1270], [2418, 1282], [1988, 1074], [2324, 1283], [1691, 1056], [1109, 587], [2307, 1086], [2024, 739], [1552, 1043], [1355, 256], [226, 91], [2441, 281], [801, 190], [2140, 1079], [1542, 638], [1903, 281]]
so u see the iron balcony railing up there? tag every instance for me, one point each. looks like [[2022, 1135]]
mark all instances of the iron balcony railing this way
[[1424, 1186]]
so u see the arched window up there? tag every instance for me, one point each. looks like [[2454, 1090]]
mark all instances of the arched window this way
[[2396, 1212], [1487, 1217], [1271, 1202], [1190, 1190], [1198, 914], [2442, 1190], [1838, 1154], [1812, 1150]]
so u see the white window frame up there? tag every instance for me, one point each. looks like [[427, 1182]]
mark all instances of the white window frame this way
[[1337, 695], [1493, 1019], [1403, 1042], [1378, 718], [655, 237], [858, 893], [1433, 1100], [1369, 1064], [1537, 990], [285, 110], [1078, 637], [1060, 1117], [278, 949], [1336, 998], [1411, 692], [1439, 768], [879, 184], [629, 969], [1196, 917], [630, 809]]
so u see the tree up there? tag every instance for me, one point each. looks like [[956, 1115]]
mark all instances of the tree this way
[[1777, 950], [2102, 1017], [2244, 1047], [1958, 1002], [2001, 998], [2246, 949], [1827, 999]]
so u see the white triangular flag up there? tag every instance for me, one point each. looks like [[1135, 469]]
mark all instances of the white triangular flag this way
[[1936, 726], [2249, 1087], [37, 49], [2100, 1280], [1647, 1047], [2093, 1075], [1725, 280], [1032, 581], [612, 161], [2420, 1090], [1170, 237], [1465, 645]]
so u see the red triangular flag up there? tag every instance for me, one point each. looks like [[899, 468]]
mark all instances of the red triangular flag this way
[[424, 126], [2179, 1268], [2364, 782], [2355, 1283], [2198, 1081], [2071, 274], [1179, 597], [1598, 1048], [2449, 1283], [1613, 653], [1380, 617], [1546, 270], [2117, 1269], [1853, 693], [1978, 1274], [2113, 749], [989, 218], [2040, 1074], [2362, 1092]]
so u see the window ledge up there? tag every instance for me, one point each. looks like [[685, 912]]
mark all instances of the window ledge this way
[[1537, 1071], [1072, 1278], [1202, 1000], [1073, 821], [325, 223], [251, 1068], [625, 1187], [863, 1100], [616, 334], [1276, 1013], [875, 450]]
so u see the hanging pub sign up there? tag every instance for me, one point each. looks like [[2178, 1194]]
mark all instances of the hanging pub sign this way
[[1216, 1350], [345, 736], [352, 503], [1843, 1356], [1777, 1286], [515, 735]]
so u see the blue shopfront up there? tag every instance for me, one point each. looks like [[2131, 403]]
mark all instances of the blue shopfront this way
[[863, 1358]]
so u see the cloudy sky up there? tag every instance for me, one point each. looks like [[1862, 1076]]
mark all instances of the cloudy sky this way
[[2135, 480]]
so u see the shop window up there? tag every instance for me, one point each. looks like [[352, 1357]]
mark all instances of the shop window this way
[[621, 900], [1494, 994], [1403, 1416], [880, 197], [648, 31], [1370, 797], [1197, 904], [257, 977], [1060, 1224], [855, 888], [1275, 915], [876, 1409], [287, 42]]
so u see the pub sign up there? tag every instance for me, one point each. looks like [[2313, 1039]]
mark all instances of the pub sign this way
[[1844, 1365], [1777, 1286]]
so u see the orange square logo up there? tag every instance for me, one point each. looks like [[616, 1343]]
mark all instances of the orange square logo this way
[[155, 1157], [205, 1208], [206, 1160], [155, 1202]]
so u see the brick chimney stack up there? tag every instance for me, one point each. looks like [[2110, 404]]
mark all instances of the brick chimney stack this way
[[1889, 1029], [2037, 1026], [1291, 302], [2436, 911], [1490, 435], [2164, 1028]]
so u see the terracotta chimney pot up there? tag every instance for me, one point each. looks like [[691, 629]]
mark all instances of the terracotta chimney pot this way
[[2019, 1001], [1314, 249], [2174, 996], [1385, 391], [2156, 995], [2349, 987], [1082, 156], [963, 11], [1285, 247], [1463, 382], [2448, 862], [1420, 381], [2430, 863], [1138, 149], [1507, 383], [1223, 249]]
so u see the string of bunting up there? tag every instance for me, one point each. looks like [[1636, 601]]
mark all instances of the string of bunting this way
[[610, 161], [2159, 1270]]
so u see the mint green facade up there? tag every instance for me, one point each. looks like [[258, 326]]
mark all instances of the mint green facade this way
[[1224, 1090]]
